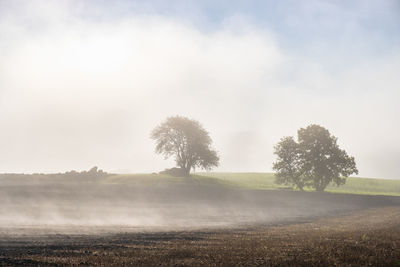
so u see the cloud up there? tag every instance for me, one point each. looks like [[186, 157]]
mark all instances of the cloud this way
[[77, 91]]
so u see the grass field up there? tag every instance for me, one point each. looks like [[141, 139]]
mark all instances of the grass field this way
[[261, 181]]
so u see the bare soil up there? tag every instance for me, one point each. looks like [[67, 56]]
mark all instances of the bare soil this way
[[368, 237], [85, 222]]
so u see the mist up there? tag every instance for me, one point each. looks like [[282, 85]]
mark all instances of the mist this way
[[80, 86], [90, 202]]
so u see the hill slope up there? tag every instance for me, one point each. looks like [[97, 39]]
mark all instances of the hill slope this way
[[262, 181]]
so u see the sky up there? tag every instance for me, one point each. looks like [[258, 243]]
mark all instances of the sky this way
[[83, 83]]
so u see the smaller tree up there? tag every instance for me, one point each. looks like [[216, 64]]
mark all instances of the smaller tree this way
[[315, 160], [187, 141]]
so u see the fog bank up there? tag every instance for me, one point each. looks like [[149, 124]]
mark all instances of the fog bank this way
[[82, 86]]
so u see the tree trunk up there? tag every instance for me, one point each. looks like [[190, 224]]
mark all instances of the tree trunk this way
[[320, 187], [187, 171]]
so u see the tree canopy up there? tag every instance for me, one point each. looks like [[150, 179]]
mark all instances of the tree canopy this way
[[315, 160], [187, 141]]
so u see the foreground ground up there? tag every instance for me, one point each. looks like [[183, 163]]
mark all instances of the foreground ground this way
[[84, 219], [368, 237]]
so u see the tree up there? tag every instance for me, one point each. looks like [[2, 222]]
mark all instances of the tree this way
[[315, 160], [187, 141]]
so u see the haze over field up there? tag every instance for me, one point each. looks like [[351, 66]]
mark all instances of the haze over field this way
[[84, 83]]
